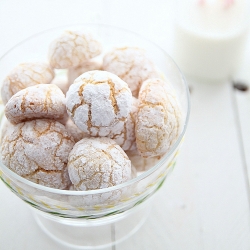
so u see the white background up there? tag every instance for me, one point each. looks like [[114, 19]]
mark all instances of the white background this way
[[205, 202]]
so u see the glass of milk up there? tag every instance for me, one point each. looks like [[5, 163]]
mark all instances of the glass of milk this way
[[210, 36]]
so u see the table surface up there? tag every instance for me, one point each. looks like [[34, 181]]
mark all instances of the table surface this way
[[204, 204]]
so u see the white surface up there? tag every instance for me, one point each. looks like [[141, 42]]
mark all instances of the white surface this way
[[204, 203]]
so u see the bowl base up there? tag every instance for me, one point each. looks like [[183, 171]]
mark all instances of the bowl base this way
[[93, 234]]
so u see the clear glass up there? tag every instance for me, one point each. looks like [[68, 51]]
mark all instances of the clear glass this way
[[97, 218], [210, 38]]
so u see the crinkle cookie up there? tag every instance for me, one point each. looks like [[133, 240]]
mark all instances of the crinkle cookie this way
[[72, 49], [39, 101], [25, 75], [89, 65], [131, 64], [126, 138], [99, 103], [96, 163], [38, 151], [159, 117]]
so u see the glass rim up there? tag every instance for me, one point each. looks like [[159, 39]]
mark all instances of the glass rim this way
[[133, 180]]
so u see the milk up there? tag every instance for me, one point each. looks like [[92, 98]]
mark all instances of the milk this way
[[210, 37]]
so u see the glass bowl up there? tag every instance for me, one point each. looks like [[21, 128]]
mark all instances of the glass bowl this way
[[97, 218]]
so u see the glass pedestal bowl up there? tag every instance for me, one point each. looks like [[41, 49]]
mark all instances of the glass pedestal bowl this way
[[98, 218]]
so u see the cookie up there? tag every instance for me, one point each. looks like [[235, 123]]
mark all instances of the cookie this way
[[99, 103], [25, 75], [159, 117], [38, 151], [126, 138], [39, 101], [72, 49], [96, 163], [131, 64]]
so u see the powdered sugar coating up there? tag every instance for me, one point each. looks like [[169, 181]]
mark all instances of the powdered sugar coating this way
[[25, 75], [38, 150], [99, 102], [96, 163], [72, 49], [159, 117], [126, 138], [39, 101], [131, 64], [89, 65]]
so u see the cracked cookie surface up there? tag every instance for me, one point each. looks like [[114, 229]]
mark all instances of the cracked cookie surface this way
[[159, 118], [96, 163], [99, 102], [38, 151], [25, 75], [39, 101], [72, 49], [126, 138], [131, 64]]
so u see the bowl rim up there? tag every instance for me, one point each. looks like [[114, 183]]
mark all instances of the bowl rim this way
[[133, 180]]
